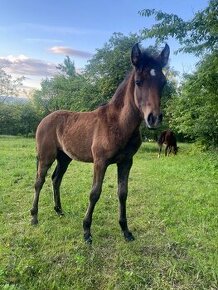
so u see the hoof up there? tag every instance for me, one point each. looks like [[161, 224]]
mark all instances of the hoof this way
[[88, 239], [34, 221], [129, 237], [58, 211]]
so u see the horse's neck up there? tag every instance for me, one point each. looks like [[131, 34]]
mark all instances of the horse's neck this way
[[123, 100]]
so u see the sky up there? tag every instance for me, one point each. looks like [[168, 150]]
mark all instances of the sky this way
[[37, 35]]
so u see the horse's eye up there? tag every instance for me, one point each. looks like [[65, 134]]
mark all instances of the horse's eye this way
[[139, 82]]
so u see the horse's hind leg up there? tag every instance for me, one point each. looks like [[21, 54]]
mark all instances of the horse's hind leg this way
[[123, 175], [42, 168], [62, 163]]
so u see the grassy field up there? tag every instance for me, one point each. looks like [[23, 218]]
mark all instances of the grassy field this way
[[172, 211]]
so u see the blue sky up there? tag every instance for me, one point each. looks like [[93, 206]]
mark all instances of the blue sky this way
[[37, 35]]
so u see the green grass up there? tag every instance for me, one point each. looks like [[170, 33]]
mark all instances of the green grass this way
[[172, 211]]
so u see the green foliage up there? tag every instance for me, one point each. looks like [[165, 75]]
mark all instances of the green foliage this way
[[68, 67], [9, 116], [172, 214], [18, 119], [197, 35], [67, 91], [194, 112], [109, 66], [8, 85], [94, 86], [59, 92], [15, 118], [28, 119]]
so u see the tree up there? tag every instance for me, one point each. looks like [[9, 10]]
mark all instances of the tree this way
[[8, 85], [18, 119], [198, 35], [63, 91], [28, 119], [94, 86], [109, 66], [9, 117], [68, 67], [195, 111]]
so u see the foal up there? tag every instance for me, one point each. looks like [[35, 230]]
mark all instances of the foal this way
[[168, 138], [109, 134]]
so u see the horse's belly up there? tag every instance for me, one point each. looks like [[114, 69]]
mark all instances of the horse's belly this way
[[80, 154]]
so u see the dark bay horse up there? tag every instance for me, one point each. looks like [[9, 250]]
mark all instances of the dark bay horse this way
[[109, 134], [168, 138]]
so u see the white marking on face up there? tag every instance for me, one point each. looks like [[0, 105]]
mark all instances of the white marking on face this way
[[153, 72]]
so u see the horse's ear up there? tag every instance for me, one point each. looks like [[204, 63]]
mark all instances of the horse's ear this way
[[136, 55], [164, 55]]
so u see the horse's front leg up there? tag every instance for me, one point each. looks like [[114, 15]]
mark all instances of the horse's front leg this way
[[160, 149], [123, 175], [166, 150], [99, 172]]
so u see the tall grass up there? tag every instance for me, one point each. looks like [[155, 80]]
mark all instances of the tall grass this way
[[172, 211]]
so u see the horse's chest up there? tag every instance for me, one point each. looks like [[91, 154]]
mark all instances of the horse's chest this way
[[127, 150]]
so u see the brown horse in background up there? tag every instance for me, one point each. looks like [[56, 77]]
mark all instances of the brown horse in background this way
[[168, 138], [109, 134]]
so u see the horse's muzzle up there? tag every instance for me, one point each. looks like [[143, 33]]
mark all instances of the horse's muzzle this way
[[153, 121]]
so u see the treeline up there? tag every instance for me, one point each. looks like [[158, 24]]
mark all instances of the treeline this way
[[190, 107], [18, 119]]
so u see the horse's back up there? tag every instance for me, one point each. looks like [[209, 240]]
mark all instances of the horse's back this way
[[49, 125], [167, 137], [70, 132], [170, 138]]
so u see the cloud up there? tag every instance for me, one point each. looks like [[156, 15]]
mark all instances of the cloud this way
[[23, 65], [70, 51]]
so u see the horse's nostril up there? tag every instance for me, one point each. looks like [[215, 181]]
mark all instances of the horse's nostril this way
[[151, 119]]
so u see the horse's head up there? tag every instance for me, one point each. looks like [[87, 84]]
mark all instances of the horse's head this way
[[149, 82]]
